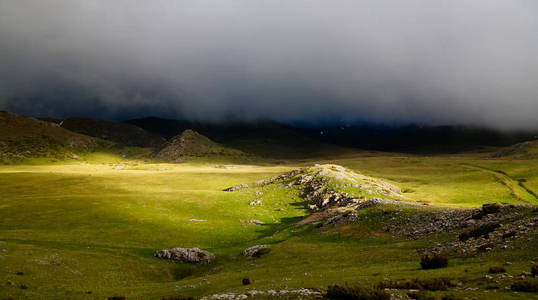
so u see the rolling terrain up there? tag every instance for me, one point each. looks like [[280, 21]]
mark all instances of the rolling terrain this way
[[88, 228]]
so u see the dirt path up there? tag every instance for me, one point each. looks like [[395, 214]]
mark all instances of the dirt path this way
[[517, 188]]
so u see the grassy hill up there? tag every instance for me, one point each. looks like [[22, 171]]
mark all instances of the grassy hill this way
[[121, 133], [22, 137], [191, 144]]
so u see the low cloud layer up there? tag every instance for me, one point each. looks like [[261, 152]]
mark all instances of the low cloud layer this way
[[435, 62]]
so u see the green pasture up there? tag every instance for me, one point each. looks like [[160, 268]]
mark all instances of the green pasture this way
[[88, 229]]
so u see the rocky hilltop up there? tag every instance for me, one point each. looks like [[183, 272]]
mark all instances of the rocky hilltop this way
[[190, 144]]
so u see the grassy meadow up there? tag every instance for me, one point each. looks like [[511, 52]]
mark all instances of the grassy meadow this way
[[87, 230]]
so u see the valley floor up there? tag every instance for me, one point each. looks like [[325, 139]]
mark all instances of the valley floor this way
[[89, 230]]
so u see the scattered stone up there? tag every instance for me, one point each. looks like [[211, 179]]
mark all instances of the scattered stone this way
[[121, 167], [256, 251], [257, 222], [255, 203], [237, 187], [226, 167], [197, 220], [186, 255], [272, 294]]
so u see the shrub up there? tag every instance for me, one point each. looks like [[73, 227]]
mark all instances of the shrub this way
[[534, 270], [356, 292], [420, 295], [433, 261], [478, 215], [486, 247], [509, 234], [478, 231], [116, 298], [526, 285], [492, 287], [450, 297], [246, 281], [491, 208], [495, 270], [180, 297], [436, 284], [431, 284]]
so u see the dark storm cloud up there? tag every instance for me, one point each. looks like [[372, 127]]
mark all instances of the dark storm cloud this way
[[439, 62]]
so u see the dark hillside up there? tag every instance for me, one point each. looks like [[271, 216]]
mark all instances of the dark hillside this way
[[250, 136], [23, 137], [121, 133], [417, 139], [263, 138]]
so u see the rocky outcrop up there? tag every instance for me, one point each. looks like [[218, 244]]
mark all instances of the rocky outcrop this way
[[335, 195], [256, 251], [322, 186], [275, 179], [186, 255]]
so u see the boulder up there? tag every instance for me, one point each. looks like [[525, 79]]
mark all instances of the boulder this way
[[256, 251], [186, 255]]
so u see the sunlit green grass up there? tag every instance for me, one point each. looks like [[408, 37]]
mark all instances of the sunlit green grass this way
[[74, 228]]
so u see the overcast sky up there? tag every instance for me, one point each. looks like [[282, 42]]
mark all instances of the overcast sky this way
[[437, 62]]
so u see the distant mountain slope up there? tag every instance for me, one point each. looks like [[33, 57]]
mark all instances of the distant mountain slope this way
[[190, 144], [24, 137], [121, 133], [418, 138], [525, 150], [261, 138], [164, 127]]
